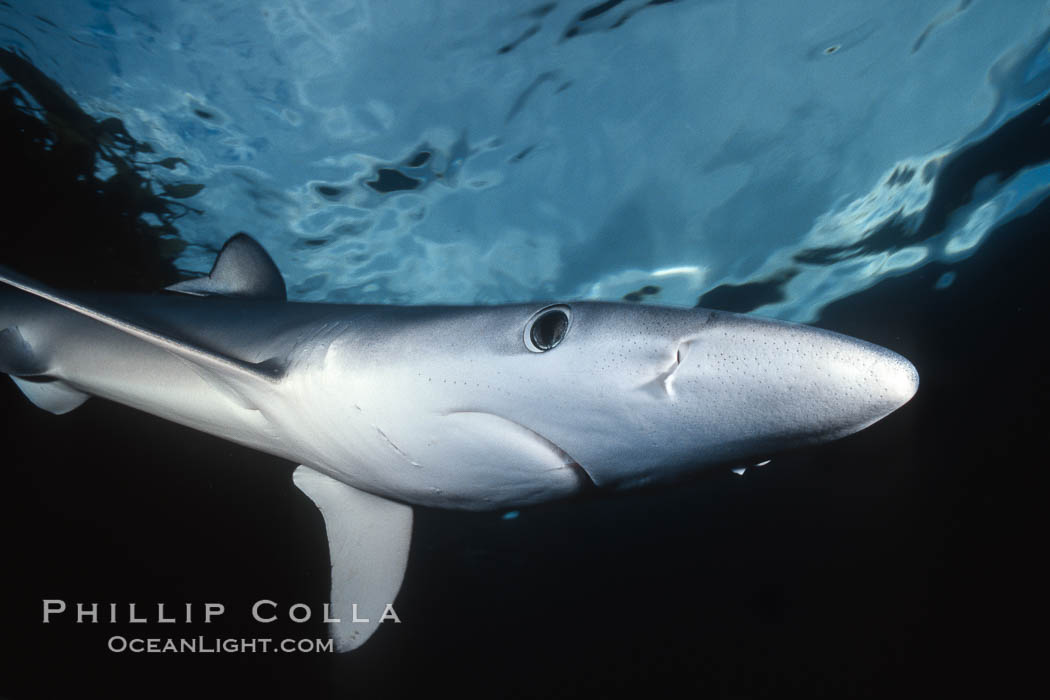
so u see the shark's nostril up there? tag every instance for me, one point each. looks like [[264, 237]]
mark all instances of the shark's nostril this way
[[668, 376], [684, 348], [662, 387]]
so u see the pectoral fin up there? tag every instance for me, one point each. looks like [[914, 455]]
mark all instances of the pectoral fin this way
[[368, 541]]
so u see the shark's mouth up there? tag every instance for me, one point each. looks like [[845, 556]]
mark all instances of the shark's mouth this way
[[582, 476]]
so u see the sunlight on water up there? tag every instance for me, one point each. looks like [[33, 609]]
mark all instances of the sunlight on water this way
[[457, 152]]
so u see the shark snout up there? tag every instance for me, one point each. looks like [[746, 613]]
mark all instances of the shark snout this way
[[895, 378], [783, 384], [689, 389], [872, 382]]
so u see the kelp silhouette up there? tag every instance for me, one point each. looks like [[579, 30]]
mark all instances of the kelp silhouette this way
[[62, 222]]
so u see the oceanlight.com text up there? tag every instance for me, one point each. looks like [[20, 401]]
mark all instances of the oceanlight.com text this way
[[217, 645]]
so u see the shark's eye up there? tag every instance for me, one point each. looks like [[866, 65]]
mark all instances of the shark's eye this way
[[547, 328]]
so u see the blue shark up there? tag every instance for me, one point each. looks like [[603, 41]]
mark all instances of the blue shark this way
[[466, 407]]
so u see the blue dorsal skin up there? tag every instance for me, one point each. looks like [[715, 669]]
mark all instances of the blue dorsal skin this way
[[479, 408]]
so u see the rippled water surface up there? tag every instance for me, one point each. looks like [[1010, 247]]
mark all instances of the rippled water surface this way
[[750, 156]]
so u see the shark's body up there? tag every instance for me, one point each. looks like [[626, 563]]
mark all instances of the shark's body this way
[[453, 407]]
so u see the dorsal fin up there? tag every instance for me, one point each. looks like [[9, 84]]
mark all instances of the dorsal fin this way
[[203, 357], [242, 269]]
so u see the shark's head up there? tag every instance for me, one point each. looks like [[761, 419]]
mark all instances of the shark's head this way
[[616, 394]]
